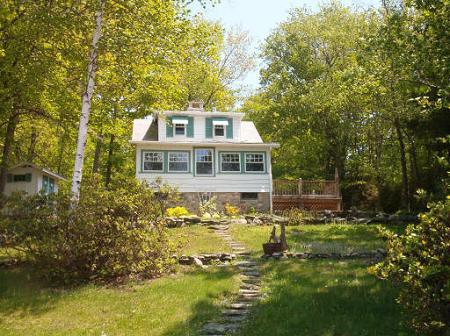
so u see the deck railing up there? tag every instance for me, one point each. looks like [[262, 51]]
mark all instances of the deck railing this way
[[307, 188]]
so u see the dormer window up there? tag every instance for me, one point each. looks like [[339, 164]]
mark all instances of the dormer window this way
[[219, 130], [180, 129]]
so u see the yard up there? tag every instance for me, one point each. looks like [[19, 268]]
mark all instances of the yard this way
[[303, 297]]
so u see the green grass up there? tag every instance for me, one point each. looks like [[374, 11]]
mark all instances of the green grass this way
[[197, 239], [324, 298], [316, 238], [173, 305]]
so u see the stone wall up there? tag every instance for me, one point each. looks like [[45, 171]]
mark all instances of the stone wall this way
[[191, 201]]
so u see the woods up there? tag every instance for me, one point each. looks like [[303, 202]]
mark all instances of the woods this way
[[356, 90]]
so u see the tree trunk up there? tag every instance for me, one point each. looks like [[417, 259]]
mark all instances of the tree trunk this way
[[413, 163], [7, 149], [86, 107], [98, 150], [31, 149], [405, 184], [108, 174]]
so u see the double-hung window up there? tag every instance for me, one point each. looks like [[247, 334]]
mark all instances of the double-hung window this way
[[180, 129], [254, 162], [219, 130], [178, 162], [204, 161], [153, 161], [230, 162]]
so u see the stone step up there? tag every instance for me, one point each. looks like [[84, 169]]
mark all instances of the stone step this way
[[249, 286], [251, 273], [250, 291], [248, 297], [231, 318], [219, 328], [239, 305], [251, 281], [235, 312], [248, 268], [243, 253]]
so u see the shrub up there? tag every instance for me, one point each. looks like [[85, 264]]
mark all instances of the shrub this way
[[177, 211], [419, 261], [111, 233], [231, 210], [208, 206], [295, 216]]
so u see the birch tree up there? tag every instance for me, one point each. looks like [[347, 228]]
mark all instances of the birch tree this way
[[86, 105]]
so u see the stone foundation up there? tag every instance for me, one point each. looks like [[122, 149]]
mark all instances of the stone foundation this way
[[191, 201]]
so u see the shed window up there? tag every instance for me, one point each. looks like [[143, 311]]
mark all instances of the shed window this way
[[19, 177], [204, 161], [178, 161], [48, 184], [254, 162], [230, 162], [153, 161], [249, 196]]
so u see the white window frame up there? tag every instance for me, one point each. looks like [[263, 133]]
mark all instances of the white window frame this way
[[223, 127], [175, 125], [143, 161], [221, 161], [212, 161], [178, 171], [263, 163]]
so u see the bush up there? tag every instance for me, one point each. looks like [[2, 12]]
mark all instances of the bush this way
[[177, 211], [419, 261], [231, 210], [110, 233], [208, 207]]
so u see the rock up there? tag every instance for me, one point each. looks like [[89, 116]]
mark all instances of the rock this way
[[198, 262], [257, 221], [238, 221], [193, 219], [280, 220]]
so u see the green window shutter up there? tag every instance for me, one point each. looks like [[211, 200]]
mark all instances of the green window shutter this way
[[28, 177], [9, 177], [208, 128], [230, 128], [190, 127], [169, 127]]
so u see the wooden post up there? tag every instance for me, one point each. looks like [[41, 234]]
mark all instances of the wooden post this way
[[300, 187], [283, 239]]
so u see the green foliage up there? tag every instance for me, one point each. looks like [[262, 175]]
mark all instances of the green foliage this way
[[177, 211], [231, 210], [419, 262], [112, 233], [295, 216], [208, 207]]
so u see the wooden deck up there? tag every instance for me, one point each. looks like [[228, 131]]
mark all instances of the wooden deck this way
[[313, 195]]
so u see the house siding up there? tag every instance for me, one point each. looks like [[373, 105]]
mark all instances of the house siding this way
[[219, 182]]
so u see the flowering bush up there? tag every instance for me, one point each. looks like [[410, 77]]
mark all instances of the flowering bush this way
[[419, 261], [231, 210], [177, 211]]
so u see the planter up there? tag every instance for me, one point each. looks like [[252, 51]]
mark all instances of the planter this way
[[271, 248]]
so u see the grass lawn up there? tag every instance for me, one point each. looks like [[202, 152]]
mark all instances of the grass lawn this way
[[173, 305], [316, 238], [197, 239], [324, 298]]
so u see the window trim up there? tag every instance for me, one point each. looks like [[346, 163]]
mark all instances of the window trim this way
[[264, 171], [143, 161], [213, 163], [188, 161], [230, 171]]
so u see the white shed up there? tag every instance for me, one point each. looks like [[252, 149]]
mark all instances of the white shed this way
[[32, 179]]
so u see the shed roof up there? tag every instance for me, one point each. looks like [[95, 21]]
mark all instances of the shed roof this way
[[41, 169]]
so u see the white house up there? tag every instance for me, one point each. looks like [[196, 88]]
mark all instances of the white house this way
[[205, 153], [32, 179]]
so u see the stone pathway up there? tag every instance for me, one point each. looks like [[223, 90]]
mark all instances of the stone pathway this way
[[249, 290]]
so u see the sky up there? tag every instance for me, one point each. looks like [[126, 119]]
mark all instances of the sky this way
[[260, 17]]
